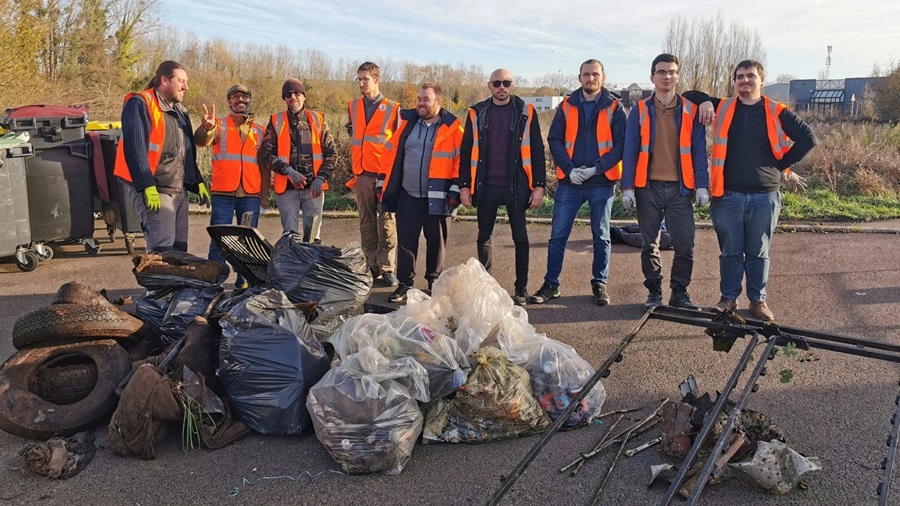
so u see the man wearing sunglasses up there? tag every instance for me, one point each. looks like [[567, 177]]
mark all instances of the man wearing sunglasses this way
[[502, 163], [236, 180], [663, 165], [586, 139]]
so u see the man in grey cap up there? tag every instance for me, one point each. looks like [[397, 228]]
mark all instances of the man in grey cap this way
[[237, 183], [299, 149]]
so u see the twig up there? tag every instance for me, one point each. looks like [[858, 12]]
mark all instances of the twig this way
[[617, 439], [612, 466], [621, 411], [603, 440]]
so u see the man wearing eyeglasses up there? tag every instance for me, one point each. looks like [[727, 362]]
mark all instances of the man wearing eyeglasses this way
[[663, 165], [751, 158], [236, 180], [502, 163], [586, 139], [299, 147], [372, 120]]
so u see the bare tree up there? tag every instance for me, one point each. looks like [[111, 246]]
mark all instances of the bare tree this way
[[709, 49], [784, 78]]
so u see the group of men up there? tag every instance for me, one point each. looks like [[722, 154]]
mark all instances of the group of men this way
[[413, 167]]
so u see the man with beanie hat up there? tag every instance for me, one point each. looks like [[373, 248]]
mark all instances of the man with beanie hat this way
[[236, 179], [299, 148]]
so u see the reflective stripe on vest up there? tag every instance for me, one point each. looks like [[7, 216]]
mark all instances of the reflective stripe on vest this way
[[604, 136], [524, 147], [368, 138], [688, 116], [156, 138], [234, 160], [444, 167], [778, 141], [283, 133]]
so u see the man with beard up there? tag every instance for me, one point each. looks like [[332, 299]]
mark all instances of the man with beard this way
[[158, 159], [299, 148], [236, 181], [420, 169], [586, 139], [372, 121], [502, 162], [751, 159]]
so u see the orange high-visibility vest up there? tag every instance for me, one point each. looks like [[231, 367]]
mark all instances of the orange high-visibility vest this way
[[604, 136], [724, 114], [688, 116], [283, 131], [234, 160], [444, 160], [157, 136], [367, 141], [524, 148]]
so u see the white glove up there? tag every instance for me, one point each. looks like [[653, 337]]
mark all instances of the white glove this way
[[628, 201], [701, 196], [795, 182], [588, 172], [575, 176]]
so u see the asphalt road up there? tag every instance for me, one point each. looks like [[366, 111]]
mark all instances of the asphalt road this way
[[837, 408]]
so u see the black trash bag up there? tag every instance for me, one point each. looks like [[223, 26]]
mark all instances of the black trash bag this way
[[170, 311], [226, 304], [268, 361], [335, 279], [153, 305], [177, 269]]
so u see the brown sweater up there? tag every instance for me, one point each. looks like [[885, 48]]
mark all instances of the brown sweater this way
[[664, 151]]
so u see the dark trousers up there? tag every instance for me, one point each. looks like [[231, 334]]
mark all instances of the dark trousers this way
[[412, 221], [663, 200], [490, 198]]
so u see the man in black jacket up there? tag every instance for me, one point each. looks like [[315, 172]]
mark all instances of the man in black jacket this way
[[502, 163]]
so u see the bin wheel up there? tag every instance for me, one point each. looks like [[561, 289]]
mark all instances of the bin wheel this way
[[92, 249], [48, 253], [129, 245], [31, 262]]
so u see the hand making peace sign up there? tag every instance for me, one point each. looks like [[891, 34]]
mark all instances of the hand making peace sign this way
[[208, 120]]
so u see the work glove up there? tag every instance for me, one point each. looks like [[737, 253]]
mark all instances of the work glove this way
[[203, 195], [297, 179], [588, 172], [628, 201], [316, 188], [701, 196], [575, 176], [793, 181], [152, 197]]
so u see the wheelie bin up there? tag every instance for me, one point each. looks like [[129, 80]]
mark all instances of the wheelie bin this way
[[15, 227]]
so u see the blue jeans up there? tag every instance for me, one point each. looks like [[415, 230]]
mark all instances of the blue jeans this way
[[744, 224], [566, 203], [224, 209]]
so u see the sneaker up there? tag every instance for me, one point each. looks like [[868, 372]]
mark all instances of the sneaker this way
[[761, 310], [389, 279], [546, 293], [601, 297], [521, 297], [375, 272], [724, 305], [654, 299], [680, 298], [399, 294]]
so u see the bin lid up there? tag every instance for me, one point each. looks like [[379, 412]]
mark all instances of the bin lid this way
[[46, 111], [13, 139], [95, 126]]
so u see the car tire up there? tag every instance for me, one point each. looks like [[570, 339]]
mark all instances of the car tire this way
[[65, 322]]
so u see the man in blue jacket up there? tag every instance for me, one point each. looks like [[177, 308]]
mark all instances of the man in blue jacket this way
[[664, 164], [586, 139]]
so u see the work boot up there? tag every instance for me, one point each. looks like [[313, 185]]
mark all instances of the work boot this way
[[375, 272], [680, 298], [724, 305], [601, 297], [389, 279], [654, 299], [521, 297], [545, 293], [399, 294], [761, 311]]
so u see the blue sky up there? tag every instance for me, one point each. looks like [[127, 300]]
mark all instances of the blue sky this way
[[533, 38]]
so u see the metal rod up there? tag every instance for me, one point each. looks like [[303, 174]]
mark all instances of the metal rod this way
[[548, 434], [885, 488], [710, 465], [708, 424]]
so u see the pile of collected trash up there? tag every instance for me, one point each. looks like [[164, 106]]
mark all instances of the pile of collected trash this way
[[294, 355]]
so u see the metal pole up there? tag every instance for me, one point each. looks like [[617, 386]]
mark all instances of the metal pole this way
[[885, 488]]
